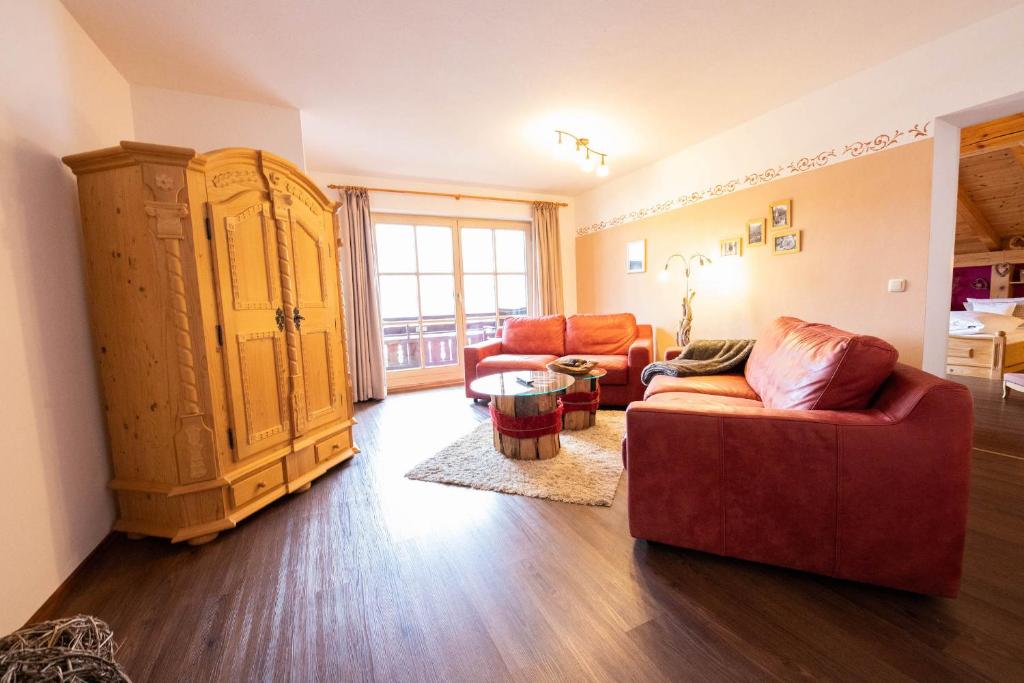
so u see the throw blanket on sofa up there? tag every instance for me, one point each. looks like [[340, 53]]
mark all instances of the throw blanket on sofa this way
[[703, 357]]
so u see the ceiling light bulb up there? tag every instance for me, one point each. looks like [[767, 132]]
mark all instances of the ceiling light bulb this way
[[587, 165], [562, 148], [602, 170]]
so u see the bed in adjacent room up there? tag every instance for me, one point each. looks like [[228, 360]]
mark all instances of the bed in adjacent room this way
[[987, 340]]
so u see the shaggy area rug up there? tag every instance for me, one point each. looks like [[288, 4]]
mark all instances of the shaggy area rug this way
[[585, 471]]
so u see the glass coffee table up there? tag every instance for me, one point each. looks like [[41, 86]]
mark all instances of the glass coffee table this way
[[526, 417]]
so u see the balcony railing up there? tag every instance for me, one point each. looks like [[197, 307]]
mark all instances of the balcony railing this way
[[440, 346]]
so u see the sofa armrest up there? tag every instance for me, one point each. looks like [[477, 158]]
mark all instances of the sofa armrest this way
[[473, 354], [673, 352], [641, 351]]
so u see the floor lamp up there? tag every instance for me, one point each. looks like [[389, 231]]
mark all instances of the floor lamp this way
[[686, 320]]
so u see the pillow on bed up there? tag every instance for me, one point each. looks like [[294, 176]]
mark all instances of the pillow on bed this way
[[997, 307], [981, 305], [977, 322]]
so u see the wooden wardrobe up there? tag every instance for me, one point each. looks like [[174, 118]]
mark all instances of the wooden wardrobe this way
[[218, 328]]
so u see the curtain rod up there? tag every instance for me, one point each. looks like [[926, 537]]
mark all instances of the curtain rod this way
[[446, 194]]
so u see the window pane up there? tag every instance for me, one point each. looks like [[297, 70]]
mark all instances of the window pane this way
[[511, 295], [479, 294], [477, 250], [437, 296], [480, 329], [434, 245], [401, 345], [510, 247], [396, 248], [440, 345], [398, 298]]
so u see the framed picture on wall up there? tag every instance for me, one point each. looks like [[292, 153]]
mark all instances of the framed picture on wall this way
[[757, 231], [636, 256], [781, 213], [731, 247], [787, 242]]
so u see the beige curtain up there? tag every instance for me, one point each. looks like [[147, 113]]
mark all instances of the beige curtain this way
[[547, 259], [362, 314]]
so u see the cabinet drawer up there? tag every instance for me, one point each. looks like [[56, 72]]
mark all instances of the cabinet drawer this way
[[333, 446], [258, 484]]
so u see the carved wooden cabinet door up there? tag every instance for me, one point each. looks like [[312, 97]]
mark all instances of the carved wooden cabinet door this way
[[248, 271], [315, 314]]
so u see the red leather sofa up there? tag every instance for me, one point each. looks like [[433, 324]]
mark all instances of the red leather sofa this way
[[615, 342], [826, 455]]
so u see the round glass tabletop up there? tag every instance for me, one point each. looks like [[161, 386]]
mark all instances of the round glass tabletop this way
[[522, 383], [595, 373]]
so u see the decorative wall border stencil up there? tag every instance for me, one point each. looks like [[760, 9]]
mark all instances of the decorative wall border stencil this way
[[853, 150]]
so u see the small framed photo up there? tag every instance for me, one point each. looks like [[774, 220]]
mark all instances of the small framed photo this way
[[636, 256], [731, 247], [757, 231], [787, 242], [781, 213]]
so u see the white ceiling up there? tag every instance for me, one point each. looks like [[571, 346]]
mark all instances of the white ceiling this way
[[470, 90]]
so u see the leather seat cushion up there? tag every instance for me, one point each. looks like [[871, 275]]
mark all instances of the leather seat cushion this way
[[688, 400], [719, 385], [617, 367], [507, 362]]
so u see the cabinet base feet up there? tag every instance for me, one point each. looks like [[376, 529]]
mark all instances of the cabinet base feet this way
[[201, 540], [305, 487]]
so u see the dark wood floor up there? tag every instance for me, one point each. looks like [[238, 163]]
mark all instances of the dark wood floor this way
[[370, 576]]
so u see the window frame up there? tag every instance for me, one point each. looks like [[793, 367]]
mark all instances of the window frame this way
[[410, 378]]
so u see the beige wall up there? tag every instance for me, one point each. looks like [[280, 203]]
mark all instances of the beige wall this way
[[60, 95], [864, 221], [205, 123]]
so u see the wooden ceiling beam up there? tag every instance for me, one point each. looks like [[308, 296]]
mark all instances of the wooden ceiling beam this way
[[975, 219], [1004, 133]]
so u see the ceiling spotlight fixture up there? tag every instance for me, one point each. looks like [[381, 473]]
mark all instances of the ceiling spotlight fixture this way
[[588, 158]]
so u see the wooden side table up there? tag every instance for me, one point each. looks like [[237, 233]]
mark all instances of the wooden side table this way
[[526, 419], [582, 400], [1013, 380]]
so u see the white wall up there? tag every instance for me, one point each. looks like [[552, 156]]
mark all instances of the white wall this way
[[205, 123], [465, 208], [60, 95], [979, 63]]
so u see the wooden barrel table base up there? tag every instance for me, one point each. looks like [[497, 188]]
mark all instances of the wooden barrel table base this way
[[573, 420], [538, 448]]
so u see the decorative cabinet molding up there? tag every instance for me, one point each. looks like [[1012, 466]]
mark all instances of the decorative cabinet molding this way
[[215, 333]]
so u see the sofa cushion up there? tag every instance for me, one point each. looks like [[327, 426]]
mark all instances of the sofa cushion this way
[[534, 334], [719, 385], [507, 362], [810, 366], [687, 400], [616, 367], [600, 334]]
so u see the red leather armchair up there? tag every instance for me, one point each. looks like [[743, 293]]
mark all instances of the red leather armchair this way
[[874, 491], [615, 342]]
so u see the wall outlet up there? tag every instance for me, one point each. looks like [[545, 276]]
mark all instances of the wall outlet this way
[[897, 284]]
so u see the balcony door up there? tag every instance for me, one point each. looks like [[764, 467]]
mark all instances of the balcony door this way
[[445, 283]]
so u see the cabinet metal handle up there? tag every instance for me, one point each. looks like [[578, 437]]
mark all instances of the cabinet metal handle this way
[[297, 319], [279, 317]]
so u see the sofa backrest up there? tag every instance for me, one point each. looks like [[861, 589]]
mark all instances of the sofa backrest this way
[[810, 366], [609, 335], [534, 334]]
